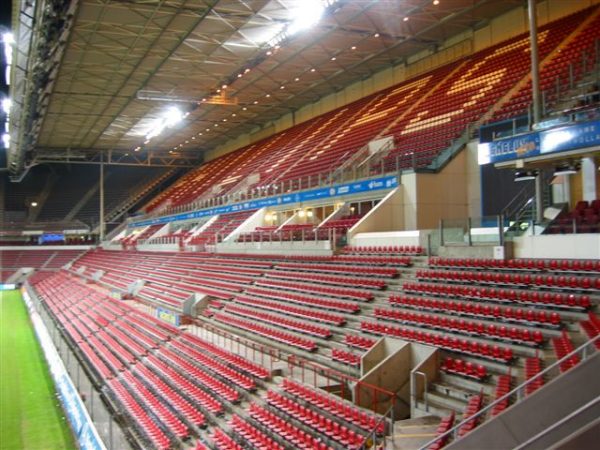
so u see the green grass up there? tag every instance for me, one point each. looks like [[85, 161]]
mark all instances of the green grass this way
[[30, 414]]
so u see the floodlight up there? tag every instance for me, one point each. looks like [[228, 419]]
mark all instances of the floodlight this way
[[306, 15], [171, 117], [6, 105], [8, 38], [566, 169], [525, 175]]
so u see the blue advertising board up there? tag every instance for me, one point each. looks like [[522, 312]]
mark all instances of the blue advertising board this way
[[373, 184], [572, 137], [168, 316]]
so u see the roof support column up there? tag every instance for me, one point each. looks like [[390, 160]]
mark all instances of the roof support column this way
[[101, 223], [535, 94]]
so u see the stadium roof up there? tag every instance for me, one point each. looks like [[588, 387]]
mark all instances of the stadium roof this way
[[119, 66]]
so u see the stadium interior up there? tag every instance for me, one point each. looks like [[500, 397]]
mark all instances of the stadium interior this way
[[311, 224]]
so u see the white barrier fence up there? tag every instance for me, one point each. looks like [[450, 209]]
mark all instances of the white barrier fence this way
[[84, 430]]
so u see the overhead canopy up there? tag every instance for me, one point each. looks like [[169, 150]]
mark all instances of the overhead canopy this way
[[118, 65]]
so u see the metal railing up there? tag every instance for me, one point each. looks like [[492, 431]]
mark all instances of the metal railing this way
[[583, 351], [387, 161], [472, 231], [301, 235]]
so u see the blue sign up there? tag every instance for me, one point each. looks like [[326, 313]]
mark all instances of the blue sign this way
[[167, 316], [555, 140], [374, 184]]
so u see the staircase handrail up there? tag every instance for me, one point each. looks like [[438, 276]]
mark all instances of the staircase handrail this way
[[561, 422], [518, 391]]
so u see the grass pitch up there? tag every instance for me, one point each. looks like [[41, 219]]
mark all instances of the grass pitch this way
[[31, 417]]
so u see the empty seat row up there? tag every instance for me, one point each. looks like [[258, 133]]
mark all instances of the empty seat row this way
[[468, 347], [311, 288], [232, 359], [345, 357], [474, 404], [502, 388], [548, 299], [533, 265], [252, 435], [149, 429], [309, 417], [199, 375], [335, 305], [317, 316], [577, 283], [285, 338], [372, 271], [474, 328], [294, 325], [386, 249], [286, 430], [463, 368], [533, 366], [341, 409], [328, 279], [373, 260], [362, 342], [530, 317], [444, 426], [562, 347], [209, 362]]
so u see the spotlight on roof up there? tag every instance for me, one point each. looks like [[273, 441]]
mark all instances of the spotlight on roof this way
[[525, 175], [308, 13], [6, 105], [565, 169], [170, 118]]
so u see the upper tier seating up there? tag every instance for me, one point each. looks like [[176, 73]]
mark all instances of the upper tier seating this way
[[584, 218], [424, 115], [220, 228], [37, 259]]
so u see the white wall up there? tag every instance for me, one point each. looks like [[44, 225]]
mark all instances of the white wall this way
[[567, 246]]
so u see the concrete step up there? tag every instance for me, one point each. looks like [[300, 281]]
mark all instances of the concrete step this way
[[433, 408], [412, 434], [446, 401], [450, 388]]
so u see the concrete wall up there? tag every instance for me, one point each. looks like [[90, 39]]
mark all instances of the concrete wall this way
[[414, 237], [585, 246], [426, 360], [308, 248], [501, 28], [387, 215], [440, 195], [391, 372]]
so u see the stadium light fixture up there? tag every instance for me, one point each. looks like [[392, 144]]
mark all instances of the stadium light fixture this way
[[9, 41], [306, 15], [566, 169], [6, 105], [170, 118], [525, 175]]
